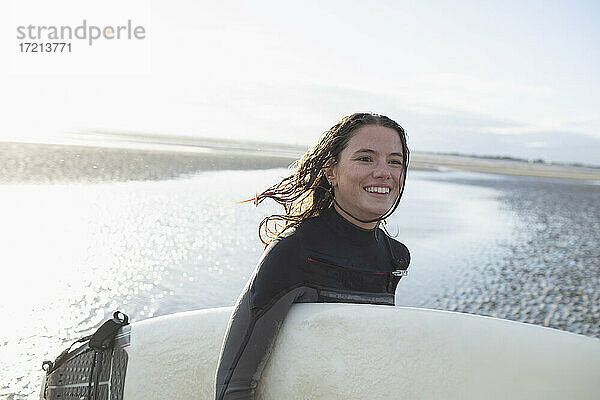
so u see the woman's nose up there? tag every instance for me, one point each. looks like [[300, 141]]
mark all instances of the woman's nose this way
[[382, 170]]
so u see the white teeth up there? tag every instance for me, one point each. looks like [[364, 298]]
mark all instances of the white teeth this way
[[373, 189]]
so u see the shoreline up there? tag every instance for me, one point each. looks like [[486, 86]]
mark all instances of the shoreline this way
[[137, 160]]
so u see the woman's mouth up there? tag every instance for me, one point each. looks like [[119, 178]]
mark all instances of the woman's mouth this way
[[377, 190]]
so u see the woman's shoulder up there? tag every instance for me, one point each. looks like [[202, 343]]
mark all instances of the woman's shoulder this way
[[300, 231], [277, 268], [284, 245], [290, 243]]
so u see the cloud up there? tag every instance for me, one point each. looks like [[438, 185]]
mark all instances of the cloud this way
[[468, 84]]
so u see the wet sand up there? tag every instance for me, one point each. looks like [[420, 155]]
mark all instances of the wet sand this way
[[39, 163], [52, 163], [547, 271]]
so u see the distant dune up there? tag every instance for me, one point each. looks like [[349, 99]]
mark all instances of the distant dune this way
[[502, 166], [102, 157]]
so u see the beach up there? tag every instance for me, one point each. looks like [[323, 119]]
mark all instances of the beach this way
[[157, 228]]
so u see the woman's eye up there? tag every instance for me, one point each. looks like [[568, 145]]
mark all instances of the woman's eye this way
[[365, 158], [396, 162]]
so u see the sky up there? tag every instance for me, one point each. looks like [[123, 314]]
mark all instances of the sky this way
[[509, 78]]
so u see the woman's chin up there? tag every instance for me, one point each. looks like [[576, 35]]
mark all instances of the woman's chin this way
[[368, 211], [372, 214], [377, 212]]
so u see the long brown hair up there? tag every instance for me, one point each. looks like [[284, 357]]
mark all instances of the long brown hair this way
[[306, 193]]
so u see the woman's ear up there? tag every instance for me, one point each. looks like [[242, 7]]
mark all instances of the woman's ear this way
[[330, 175]]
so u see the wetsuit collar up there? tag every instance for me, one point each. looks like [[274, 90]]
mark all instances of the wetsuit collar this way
[[347, 229]]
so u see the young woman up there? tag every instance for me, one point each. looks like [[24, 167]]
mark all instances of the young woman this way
[[327, 247]]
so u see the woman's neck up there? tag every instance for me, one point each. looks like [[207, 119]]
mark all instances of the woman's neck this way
[[354, 221]]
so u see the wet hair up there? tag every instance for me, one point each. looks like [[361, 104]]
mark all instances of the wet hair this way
[[307, 192]]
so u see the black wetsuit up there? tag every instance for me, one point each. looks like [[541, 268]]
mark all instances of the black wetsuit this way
[[323, 260]]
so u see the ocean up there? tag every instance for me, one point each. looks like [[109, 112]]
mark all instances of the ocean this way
[[519, 248]]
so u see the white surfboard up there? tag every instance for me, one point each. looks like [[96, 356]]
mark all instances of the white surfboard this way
[[354, 351]]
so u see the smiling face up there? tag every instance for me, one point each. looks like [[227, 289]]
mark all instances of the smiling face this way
[[366, 177]]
